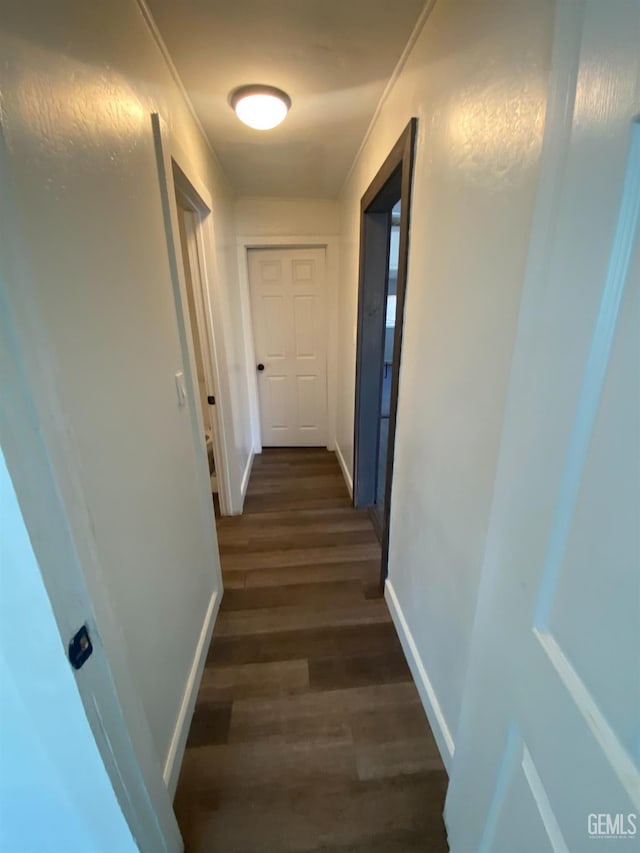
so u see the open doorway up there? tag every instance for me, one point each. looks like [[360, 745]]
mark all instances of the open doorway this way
[[200, 384], [390, 309], [202, 348], [384, 246]]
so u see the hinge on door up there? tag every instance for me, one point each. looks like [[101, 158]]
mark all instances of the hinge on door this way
[[211, 400]]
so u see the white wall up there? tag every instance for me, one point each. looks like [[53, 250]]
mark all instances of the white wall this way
[[286, 217], [476, 79], [92, 276], [54, 790]]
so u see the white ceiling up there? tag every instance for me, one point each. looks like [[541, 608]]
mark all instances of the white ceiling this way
[[333, 57]]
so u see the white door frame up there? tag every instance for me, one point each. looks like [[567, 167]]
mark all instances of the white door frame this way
[[298, 415], [193, 253], [331, 247], [38, 449], [177, 177]]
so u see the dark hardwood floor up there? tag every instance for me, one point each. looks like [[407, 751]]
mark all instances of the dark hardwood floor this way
[[308, 733]]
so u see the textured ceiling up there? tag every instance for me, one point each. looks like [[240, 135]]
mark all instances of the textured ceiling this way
[[333, 57]]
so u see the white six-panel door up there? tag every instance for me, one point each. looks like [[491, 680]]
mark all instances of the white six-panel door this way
[[547, 754], [288, 308]]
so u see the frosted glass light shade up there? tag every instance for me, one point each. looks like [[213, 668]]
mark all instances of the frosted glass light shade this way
[[260, 107]]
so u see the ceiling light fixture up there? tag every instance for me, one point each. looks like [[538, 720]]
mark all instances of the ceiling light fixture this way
[[261, 107]]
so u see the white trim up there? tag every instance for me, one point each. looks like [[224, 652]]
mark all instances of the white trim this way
[[331, 245], [248, 346], [216, 367], [194, 225], [194, 189], [178, 743], [247, 473], [169, 154], [426, 690], [397, 71], [345, 470]]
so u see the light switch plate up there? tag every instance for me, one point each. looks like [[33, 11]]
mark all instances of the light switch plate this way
[[181, 389]]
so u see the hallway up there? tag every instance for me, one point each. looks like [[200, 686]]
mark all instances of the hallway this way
[[308, 733]]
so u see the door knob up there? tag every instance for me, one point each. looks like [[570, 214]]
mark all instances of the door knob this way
[[261, 367]]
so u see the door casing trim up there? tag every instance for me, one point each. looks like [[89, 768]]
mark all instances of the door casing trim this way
[[392, 182], [331, 245]]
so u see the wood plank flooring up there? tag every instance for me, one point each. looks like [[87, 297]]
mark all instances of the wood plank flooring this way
[[308, 734]]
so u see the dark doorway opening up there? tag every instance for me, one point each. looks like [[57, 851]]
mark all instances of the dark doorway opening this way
[[384, 247]]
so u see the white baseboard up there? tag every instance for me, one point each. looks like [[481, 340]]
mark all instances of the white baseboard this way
[[345, 470], [175, 754], [428, 696], [247, 473]]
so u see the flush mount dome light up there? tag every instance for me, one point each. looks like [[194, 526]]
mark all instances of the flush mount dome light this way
[[261, 107]]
